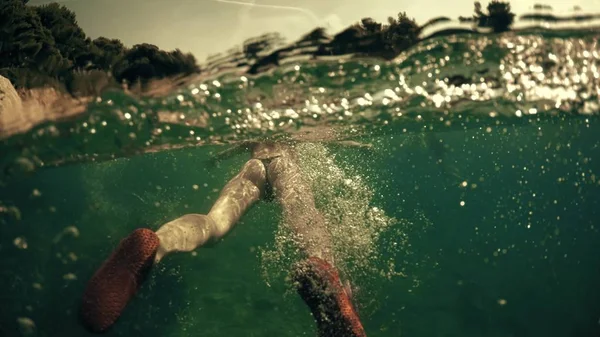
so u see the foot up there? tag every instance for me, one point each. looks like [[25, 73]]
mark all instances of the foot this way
[[320, 287], [118, 279]]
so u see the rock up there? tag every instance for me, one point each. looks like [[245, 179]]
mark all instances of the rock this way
[[23, 110], [9, 98]]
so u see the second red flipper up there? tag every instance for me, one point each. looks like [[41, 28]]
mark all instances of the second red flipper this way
[[320, 287], [117, 280]]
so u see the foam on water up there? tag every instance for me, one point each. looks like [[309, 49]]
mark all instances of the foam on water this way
[[367, 242]]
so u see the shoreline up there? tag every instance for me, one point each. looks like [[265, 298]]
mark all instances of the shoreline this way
[[23, 109]]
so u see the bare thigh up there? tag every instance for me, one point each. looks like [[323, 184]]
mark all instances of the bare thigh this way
[[299, 211]]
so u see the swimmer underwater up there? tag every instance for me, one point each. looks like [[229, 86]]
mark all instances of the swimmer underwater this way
[[273, 169]]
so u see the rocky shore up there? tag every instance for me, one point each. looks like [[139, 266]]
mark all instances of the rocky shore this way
[[21, 110]]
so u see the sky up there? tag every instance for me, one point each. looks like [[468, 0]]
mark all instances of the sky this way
[[206, 27]]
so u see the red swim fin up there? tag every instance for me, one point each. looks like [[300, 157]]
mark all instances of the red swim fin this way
[[320, 287], [118, 279]]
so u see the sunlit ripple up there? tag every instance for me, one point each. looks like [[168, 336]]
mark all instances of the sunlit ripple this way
[[452, 82], [536, 73]]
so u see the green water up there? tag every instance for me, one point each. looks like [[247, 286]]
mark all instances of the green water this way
[[488, 224]]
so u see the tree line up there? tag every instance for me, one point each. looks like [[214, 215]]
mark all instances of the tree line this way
[[385, 40], [42, 45], [403, 32]]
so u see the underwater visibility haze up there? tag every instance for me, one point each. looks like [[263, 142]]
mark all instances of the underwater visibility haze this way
[[459, 180]]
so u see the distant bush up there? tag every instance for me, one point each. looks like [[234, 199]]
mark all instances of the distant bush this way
[[376, 39], [90, 82], [401, 33], [107, 52], [145, 61], [498, 17], [29, 78]]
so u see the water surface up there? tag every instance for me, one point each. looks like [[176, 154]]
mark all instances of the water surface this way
[[472, 209]]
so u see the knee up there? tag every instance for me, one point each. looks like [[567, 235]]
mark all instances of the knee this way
[[254, 171]]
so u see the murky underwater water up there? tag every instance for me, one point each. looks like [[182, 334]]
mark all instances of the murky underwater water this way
[[473, 212]]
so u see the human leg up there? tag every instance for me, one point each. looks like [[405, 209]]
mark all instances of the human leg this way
[[194, 230], [299, 210], [120, 276], [318, 281], [320, 286]]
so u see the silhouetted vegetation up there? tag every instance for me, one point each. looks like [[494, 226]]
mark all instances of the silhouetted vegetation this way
[[498, 17], [145, 61], [542, 7], [401, 33], [386, 40], [372, 38], [26, 44], [44, 45], [375, 39]]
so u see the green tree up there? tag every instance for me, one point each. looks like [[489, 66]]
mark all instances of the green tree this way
[[402, 33], [498, 17], [42, 45], [346, 41], [107, 52], [26, 46], [370, 26], [145, 61], [68, 36]]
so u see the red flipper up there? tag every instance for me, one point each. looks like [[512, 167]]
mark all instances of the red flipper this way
[[320, 287], [118, 279]]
